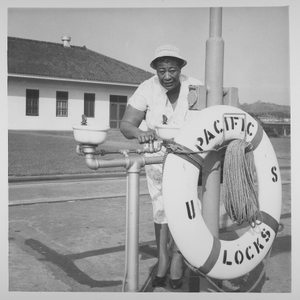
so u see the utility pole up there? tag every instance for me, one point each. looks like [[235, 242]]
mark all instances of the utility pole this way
[[214, 65]]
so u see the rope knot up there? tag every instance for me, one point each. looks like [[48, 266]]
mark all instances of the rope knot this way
[[174, 148]]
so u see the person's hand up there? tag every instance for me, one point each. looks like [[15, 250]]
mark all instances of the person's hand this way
[[145, 136]]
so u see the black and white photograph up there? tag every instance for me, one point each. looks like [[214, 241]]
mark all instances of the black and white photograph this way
[[148, 149]]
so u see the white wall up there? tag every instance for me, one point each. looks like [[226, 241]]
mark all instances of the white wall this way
[[47, 119]]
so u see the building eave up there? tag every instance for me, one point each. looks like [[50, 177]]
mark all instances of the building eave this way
[[73, 80]]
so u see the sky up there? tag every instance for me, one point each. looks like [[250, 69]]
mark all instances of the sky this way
[[256, 55]]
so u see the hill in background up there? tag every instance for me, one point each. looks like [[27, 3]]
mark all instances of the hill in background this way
[[260, 108], [268, 114]]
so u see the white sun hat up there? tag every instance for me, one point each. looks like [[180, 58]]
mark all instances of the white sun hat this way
[[167, 50]]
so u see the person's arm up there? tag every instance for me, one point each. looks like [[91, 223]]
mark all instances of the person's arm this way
[[130, 125]]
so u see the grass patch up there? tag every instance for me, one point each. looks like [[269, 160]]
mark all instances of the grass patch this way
[[34, 153]]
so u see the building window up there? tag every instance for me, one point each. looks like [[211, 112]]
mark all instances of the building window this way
[[117, 109], [32, 102], [61, 104], [89, 105]]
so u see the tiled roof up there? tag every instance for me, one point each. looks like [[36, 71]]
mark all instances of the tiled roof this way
[[47, 59]]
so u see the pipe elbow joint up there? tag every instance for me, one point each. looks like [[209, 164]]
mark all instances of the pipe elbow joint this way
[[92, 163]]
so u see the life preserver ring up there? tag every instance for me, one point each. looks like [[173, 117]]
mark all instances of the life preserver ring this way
[[206, 130]]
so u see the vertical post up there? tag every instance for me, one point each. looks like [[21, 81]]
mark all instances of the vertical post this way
[[211, 172], [133, 188], [214, 81]]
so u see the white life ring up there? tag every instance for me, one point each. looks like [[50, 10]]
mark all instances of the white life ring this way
[[206, 130]]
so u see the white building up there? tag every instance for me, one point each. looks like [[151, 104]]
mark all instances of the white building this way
[[51, 85]]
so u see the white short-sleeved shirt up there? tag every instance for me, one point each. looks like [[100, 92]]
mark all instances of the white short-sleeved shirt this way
[[151, 97]]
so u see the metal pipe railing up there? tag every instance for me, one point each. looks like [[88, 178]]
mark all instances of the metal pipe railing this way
[[133, 165]]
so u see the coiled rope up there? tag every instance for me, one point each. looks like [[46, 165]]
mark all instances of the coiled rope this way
[[240, 195]]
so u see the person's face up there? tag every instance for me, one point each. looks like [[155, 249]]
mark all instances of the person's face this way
[[168, 74]]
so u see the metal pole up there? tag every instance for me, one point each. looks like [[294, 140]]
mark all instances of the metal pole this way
[[214, 59], [133, 192], [133, 185], [214, 81], [211, 172]]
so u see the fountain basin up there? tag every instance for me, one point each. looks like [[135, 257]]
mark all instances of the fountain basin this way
[[92, 135], [167, 132]]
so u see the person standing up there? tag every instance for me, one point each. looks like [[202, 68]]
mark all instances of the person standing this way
[[162, 96]]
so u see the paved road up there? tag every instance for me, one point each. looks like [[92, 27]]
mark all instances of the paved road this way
[[69, 189], [69, 236]]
